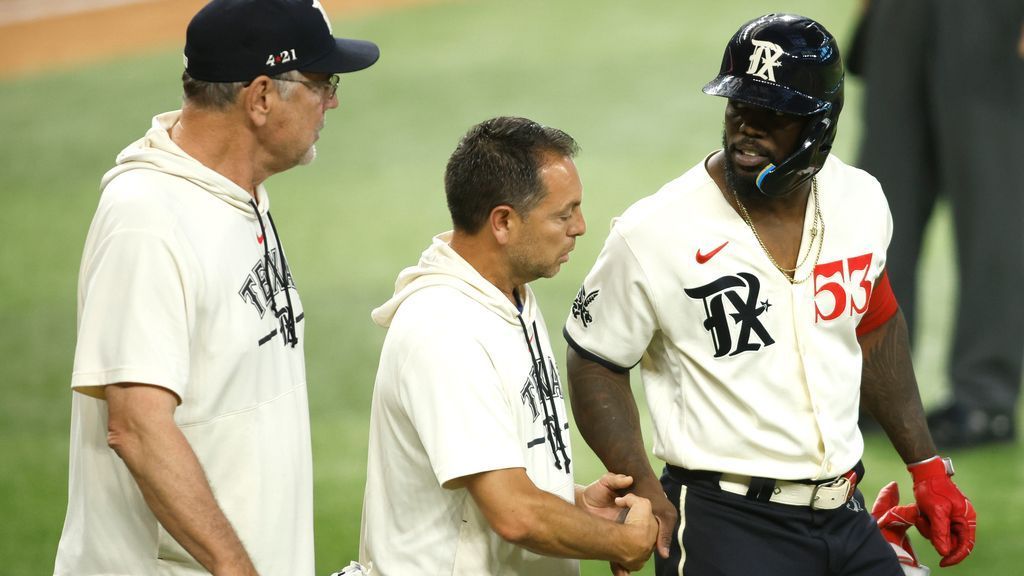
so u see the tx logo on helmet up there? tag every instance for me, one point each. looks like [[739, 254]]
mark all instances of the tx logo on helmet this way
[[766, 55]]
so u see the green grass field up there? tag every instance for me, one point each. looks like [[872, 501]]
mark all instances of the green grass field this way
[[623, 78]]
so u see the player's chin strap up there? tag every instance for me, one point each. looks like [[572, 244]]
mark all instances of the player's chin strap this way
[[776, 181]]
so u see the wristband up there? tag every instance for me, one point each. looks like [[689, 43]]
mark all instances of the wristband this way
[[934, 466]]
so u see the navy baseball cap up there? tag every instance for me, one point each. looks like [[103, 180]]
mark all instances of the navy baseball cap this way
[[238, 40]]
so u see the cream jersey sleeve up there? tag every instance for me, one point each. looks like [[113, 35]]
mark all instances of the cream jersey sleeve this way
[[613, 324], [133, 311], [455, 401]]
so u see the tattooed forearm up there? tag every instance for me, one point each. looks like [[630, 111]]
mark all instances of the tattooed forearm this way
[[607, 418], [889, 389], [606, 414]]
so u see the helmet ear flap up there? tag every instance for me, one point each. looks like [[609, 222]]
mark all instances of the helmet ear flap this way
[[819, 132], [800, 166]]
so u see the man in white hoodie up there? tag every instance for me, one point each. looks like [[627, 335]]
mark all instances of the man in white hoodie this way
[[470, 467], [190, 449]]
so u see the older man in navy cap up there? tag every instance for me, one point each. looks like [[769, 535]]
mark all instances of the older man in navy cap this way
[[190, 449]]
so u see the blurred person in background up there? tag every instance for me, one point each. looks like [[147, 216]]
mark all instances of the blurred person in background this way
[[944, 112]]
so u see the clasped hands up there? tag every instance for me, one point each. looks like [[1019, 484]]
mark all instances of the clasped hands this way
[[601, 498]]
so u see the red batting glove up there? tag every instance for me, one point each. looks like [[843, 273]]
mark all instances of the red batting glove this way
[[947, 517], [894, 520]]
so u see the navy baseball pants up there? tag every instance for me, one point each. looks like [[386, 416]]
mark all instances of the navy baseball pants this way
[[724, 534]]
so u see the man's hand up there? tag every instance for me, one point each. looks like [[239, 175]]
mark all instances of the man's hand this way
[[664, 511], [667, 516], [601, 498], [598, 498], [947, 517], [645, 531]]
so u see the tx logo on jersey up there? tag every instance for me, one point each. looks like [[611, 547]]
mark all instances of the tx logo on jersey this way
[[765, 59], [579, 305], [732, 308]]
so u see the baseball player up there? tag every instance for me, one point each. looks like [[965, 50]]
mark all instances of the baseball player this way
[[752, 292], [470, 465]]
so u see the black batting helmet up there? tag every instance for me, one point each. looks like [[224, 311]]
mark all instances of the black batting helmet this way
[[790, 64]]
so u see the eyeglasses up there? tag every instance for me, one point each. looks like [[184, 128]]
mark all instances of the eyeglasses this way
[[326, 88]]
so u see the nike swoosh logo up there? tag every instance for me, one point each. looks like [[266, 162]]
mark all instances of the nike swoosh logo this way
[[703, 258]]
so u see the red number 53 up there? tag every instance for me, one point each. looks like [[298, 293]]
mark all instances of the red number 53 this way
[[840, 286]]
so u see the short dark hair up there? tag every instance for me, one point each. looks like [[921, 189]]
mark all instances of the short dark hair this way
[[498, 162]]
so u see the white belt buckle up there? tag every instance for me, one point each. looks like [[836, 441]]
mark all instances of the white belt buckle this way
[[831, 495]]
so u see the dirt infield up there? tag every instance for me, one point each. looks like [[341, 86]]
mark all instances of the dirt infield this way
[[72, 33]]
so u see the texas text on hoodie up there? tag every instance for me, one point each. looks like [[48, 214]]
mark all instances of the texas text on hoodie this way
[[184, 285], [467, 383]]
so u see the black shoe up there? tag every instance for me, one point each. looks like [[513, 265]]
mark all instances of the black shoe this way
[[957, 427]]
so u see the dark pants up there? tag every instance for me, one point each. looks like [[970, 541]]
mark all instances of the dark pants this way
[[725, 534], [944, 114]]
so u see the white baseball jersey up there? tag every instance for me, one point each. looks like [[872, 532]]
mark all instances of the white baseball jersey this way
[[744, 372], [175, 291], [464, 386]]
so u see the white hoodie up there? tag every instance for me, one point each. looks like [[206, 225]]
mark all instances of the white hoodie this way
[[178, 288], [467, 383]]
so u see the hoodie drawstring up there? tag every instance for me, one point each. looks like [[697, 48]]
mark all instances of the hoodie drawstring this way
[[551, 421], [288, 322]]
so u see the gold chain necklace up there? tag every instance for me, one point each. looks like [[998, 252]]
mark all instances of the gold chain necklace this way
[[817, 225]]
